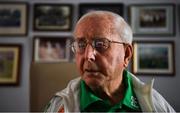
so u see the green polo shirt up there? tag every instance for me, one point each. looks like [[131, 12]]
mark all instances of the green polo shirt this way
[[89, 102]]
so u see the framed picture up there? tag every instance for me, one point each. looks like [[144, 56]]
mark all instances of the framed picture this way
[[13, 19], [153, 58], [87, 7], [152, 19], [52, 17], [51, 49], [10, 64]]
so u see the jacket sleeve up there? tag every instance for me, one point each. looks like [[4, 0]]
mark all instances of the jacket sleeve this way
[[160, 104], [54, 105]]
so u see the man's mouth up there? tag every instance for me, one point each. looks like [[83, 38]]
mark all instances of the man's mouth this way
[[91, 70]]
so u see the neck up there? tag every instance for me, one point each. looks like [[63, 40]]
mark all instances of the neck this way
[[113, 90], [117, 95]]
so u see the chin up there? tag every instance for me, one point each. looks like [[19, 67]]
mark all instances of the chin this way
[[93, 83]]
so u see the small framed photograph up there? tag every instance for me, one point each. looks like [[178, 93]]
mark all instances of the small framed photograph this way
[[152, 19], [52, 17], [13, 19], [87, 7], [51, 49], [10, 56], [153, 58]]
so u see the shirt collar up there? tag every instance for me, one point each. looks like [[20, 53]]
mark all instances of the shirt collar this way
[[129, 99], [87, 96]]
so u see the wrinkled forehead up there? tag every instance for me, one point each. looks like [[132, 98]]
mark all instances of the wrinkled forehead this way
[[95, 26]]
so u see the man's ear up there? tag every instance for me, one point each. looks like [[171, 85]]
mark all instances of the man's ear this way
[[128, 54]]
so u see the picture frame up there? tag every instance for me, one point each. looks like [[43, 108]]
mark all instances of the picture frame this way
[[10, 64], [51, 49], [152, 19], [153, 58], [52, 17], [117, 8], [13, 19]]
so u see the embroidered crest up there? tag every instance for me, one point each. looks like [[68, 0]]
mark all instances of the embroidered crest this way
[[134, 101]]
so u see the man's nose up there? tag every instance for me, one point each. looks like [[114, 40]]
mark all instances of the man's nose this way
[[90, 53]]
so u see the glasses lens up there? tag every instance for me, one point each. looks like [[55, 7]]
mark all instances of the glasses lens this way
[[73, 47], [79, 46], [101, 44]]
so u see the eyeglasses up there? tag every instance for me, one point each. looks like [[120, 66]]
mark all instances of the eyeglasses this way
[[99, 44]]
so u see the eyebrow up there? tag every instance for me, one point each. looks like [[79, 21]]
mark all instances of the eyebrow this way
[[79, 37], [92, 37]]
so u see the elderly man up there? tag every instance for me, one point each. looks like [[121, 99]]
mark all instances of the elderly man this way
[[103, 49]]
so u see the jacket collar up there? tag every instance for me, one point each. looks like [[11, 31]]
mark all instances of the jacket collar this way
[[144, 93]]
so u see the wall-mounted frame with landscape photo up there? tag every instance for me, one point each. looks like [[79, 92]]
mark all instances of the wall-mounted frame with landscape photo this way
[[52, 17], [152, 19], [10, 64], [87, 7], [13, 19], [153, 58], [51, 49]]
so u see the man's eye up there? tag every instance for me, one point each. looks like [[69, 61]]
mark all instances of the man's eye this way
[[99, 44], [81, 44]]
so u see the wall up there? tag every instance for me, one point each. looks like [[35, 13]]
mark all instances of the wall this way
[[18, 98]]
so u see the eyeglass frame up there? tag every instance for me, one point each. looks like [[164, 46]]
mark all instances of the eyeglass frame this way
[[93, 45]]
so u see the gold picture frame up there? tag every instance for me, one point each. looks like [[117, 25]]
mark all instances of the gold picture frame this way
[[13, 19], [10, 55], [153, 58]]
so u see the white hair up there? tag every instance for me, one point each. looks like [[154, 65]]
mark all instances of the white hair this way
[[121, 27]]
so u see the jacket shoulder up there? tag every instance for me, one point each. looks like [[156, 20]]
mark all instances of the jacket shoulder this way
[[65, 99], [73, 86], [160, 104], [54, 104]]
